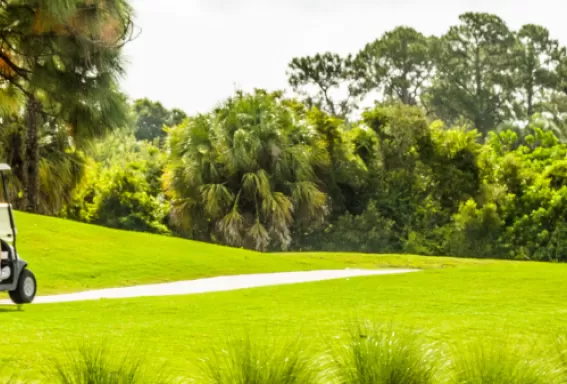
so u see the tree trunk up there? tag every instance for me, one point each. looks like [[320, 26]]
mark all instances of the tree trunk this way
[[31, 186], [16, 156], [479, 105], [17, 163], [530, 101]]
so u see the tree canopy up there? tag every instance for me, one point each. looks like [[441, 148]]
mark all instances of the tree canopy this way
[[436, 145], [60, 60]]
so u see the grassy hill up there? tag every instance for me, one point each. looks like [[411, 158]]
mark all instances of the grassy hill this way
[[68, 256], [452, 301]]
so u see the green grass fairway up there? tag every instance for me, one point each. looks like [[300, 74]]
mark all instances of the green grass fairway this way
[[452, 299], [67, 256], [453, 304]]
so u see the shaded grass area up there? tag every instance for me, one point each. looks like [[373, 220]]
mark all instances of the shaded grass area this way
[[485, 302], [67, 256]]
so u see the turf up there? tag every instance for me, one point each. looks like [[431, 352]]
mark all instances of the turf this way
[[67, 256], [451, 305], [452, 299]]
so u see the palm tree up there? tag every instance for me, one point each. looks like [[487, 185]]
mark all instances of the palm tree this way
[[245, 173], [64, 59], [60, 167]]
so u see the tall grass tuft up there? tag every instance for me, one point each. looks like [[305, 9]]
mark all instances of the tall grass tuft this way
[[556, 346], [13, 380], [374, 354], [247, 361], [97, 364], [500, 362]]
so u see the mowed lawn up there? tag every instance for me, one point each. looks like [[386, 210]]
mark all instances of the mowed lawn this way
[[452, 300], [450, 304], [67, 256]]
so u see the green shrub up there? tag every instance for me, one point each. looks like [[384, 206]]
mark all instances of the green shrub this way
[[476, 231], [379, 355], [13, 379], [259, 362], [96, 364], [499, 362], [125, 202], [367, 232], [121, 197], [556, 352]]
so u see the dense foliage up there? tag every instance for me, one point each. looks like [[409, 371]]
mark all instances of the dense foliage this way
[[245, 173], [265, 172], [463, 151], [121, 188], [60, 61]]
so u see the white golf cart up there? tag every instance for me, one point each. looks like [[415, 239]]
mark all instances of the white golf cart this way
[[15, 277]]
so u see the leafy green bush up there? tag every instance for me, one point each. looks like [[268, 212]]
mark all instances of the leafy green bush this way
[[447, 194], [476, 231], [368, 232], [123, 192], [124, 201]]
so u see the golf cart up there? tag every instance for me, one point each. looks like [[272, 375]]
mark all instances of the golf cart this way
[[14, 276]]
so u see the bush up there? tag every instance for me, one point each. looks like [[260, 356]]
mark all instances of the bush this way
[[368, 232], [120, 197], [476, 231], [498, 362], [379, 355], [96, 364], [253, 362], [124, 201]]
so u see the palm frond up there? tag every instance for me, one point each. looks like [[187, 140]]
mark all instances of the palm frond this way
[[231, 226], [216, 198], [251, 183], [259, 236]]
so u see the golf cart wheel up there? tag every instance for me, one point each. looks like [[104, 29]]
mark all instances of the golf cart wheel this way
[[26, 289]]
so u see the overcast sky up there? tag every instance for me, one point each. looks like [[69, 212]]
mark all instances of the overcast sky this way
[[191, 54]]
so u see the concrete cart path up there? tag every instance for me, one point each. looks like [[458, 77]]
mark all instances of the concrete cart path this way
[[213, 284]]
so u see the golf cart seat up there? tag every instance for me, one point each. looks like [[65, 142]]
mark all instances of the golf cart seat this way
[[5, 224], [4, 250], [5, 233]]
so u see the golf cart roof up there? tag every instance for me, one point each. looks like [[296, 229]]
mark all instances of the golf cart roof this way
[[5, 168]]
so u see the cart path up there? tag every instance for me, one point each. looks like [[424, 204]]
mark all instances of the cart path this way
[[213, 284]]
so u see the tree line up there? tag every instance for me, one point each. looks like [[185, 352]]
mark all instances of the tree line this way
[[480, 72], [463, 151], [267, 172]]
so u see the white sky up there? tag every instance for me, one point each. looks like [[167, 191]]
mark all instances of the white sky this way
[[191, 54]]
